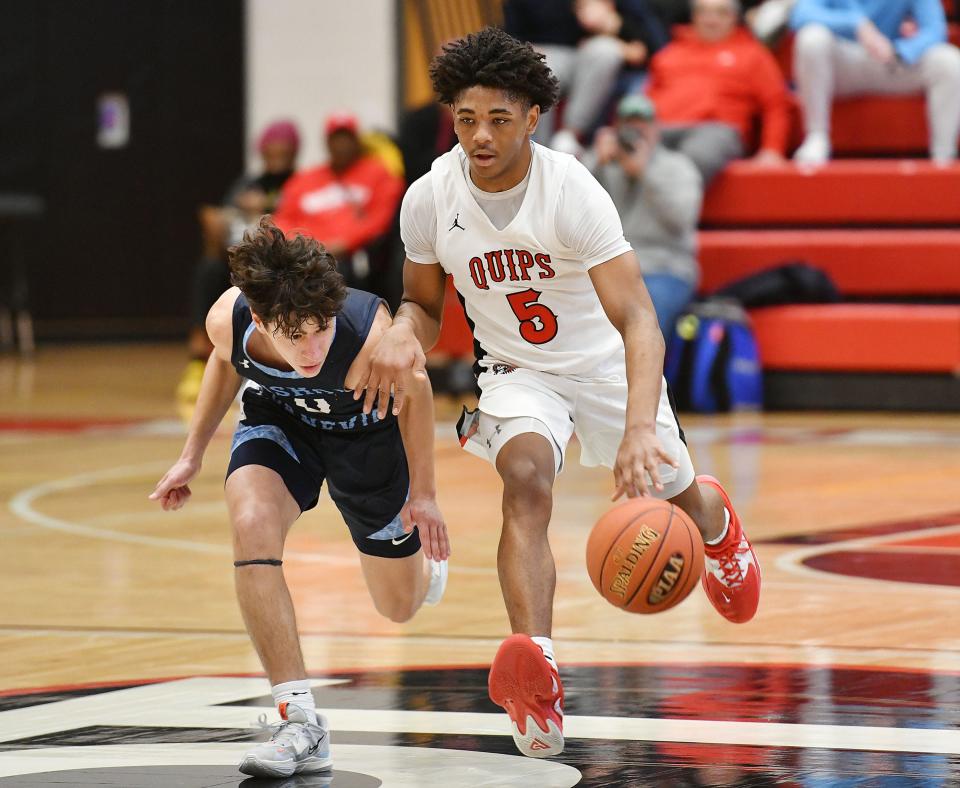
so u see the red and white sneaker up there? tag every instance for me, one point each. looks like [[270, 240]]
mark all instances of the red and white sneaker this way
[[731, 572], [529, 690]]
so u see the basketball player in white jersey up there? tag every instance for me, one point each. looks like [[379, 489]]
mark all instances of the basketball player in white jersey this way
[[567, 341]]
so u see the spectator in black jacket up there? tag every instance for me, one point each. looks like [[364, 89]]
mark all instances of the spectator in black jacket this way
[[425, 133], [586, 43]]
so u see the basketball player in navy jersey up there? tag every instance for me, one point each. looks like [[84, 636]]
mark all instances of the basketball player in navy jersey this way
[[294, 331], [568, 342]]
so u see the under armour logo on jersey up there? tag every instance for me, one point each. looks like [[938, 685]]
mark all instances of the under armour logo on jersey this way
[[245, 364], [322, 405], [456, 223]]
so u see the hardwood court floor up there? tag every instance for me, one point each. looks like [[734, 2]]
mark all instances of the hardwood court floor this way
[[849, 671]]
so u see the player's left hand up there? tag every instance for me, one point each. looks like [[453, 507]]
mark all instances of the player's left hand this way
[[424, 513], [640, 453]]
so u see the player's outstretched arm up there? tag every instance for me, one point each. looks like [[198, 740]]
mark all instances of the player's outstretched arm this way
[[416, 428], [627, 304], [217, 391], [421, 509], [399, 356]]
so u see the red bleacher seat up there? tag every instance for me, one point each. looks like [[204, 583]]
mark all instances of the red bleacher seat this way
[[842, 192], [871, 125], [879, 124], [859, 338], [865, 262]]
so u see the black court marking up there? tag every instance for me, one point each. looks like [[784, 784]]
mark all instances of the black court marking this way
[[840, 696]]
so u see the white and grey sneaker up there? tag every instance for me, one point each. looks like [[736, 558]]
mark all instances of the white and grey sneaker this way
[[438, 582], [297, 746]]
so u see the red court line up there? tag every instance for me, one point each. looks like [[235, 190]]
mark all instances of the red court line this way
[[901, 566], [29, 424], [844, 534], [936, 540]]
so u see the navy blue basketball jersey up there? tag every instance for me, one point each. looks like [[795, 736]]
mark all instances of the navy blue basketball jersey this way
[[321, 401]]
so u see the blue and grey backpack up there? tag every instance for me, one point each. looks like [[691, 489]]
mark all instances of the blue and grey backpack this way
[[712, 362]]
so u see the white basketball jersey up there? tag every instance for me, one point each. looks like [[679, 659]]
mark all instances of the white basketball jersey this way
[[529, 298]]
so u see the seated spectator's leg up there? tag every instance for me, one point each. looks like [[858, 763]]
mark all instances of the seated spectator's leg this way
[[711, 146], [598, 64], [210, 279], [670, 296], [561, 61], [813, 68], [940, 69]]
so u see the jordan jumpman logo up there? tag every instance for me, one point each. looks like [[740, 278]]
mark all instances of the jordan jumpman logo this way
[[456, 223]]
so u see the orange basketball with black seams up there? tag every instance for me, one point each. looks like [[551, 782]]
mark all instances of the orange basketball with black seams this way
[[645, 555]]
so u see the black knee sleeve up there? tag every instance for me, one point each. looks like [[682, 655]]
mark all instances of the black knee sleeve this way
[[259, 561]]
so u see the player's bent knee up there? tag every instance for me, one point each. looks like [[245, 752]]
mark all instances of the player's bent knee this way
[[256, 535], [527, 487], [398, 608]]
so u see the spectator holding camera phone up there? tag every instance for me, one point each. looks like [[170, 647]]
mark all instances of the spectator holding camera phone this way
[[658, 193]]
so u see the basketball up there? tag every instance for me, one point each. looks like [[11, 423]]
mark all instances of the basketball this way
[[645, 555]]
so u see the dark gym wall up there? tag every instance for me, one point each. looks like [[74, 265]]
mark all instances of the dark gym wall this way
[[114, 253]]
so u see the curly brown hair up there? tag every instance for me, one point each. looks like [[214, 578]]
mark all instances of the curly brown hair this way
[[287, 281], [494, 59]]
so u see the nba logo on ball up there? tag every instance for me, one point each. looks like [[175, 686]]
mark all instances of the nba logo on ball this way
[[645, 556]]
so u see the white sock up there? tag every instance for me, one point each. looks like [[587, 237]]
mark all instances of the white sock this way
[[723, 533], [546, 646], [814, 150], [297, 692]]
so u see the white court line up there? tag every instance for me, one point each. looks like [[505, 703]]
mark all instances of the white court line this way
[[579, 651], [22, 505], [198, 703], [792, 561]]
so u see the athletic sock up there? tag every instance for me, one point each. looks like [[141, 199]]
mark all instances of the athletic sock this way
[[297, 692], [546, 646], [723, 533]]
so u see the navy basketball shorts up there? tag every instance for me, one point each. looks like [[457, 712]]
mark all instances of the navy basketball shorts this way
[[365, 471]]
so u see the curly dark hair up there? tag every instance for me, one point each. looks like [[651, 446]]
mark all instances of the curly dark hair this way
[[494, 59], [287, 281]]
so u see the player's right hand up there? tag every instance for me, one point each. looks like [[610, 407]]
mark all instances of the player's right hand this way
[[424, 513], [172, 491], [640, 454], [397, 358]]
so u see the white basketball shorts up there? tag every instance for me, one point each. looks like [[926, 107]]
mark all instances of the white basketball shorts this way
[[514, 401]]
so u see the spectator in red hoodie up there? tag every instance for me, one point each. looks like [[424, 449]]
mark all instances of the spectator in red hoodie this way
[[710, 84], [348, 204]]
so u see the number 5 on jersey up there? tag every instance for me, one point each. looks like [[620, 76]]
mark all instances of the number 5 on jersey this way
[[538, 323]]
